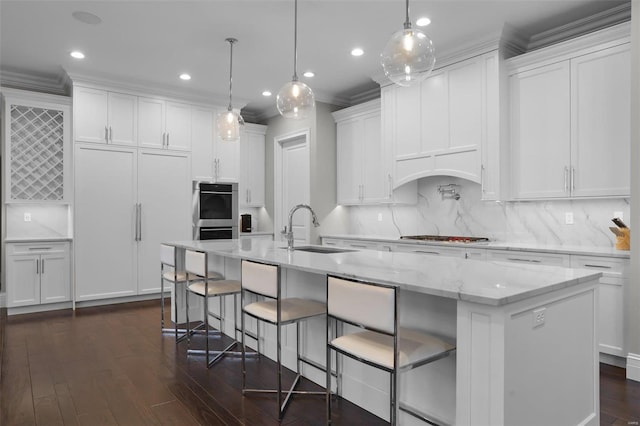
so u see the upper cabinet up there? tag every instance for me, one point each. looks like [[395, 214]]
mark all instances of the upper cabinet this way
[[212, 159], [102, 116], [252, 167], [36, 148], [163, 124], [364, 159], [570, 119], [440, 126]]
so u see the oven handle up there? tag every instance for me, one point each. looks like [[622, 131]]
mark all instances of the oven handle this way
[[216, 192]]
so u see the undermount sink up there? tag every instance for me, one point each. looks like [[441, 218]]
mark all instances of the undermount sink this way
[[320, 249]]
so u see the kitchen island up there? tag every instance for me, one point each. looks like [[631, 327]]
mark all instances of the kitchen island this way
[[525, 334]]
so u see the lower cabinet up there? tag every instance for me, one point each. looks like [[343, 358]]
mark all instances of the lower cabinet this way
[[532, 258], [37, 273], [127, 202], [615, 275]]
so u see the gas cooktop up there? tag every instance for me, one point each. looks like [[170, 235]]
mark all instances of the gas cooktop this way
[[445, 238]]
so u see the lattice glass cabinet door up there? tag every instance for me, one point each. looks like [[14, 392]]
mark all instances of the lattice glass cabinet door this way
[[38, 152]]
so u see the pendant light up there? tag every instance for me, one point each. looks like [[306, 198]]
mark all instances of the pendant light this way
[[229, 122], [295, 99], [409, 55]]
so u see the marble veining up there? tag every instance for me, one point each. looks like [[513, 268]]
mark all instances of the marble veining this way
[[536, 222], [490, 283]]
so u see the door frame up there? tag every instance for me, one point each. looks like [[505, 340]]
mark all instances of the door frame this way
[[279, 141]]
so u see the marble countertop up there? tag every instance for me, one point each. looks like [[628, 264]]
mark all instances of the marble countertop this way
[[495, 245], [485, 282]]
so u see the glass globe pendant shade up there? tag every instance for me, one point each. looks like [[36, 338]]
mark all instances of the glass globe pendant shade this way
[[408, 57], [295, 100], [228, 124]]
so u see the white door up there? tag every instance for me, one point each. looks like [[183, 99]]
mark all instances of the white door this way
[[294, 186], [123, 119], [151, 113], [349, 157], [90, 115], [202, 144], [164, 194], [23, 278], [105, 213], [178, 126], [55, 285]]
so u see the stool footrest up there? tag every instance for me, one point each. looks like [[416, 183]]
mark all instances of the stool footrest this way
[[432, 420]]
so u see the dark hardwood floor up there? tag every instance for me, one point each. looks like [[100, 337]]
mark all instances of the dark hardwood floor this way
[[111, 365]]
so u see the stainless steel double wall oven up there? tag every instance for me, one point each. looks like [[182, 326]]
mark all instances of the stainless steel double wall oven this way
[[215, 210]]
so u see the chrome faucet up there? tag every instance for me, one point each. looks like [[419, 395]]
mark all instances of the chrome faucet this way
[[289, 233]]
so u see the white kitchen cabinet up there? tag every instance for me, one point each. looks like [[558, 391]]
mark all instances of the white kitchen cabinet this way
[[252, 166], [363, 159], [164, 124], [439, 126], [615, 276], [212, 158], [432, 250], [570, 123], [36, 148], [102, 116], [37, 273], [164, 197], [127, 202], [105, 222]]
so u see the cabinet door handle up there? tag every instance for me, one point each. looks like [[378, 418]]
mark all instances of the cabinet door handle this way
[[135, 235], [42, 267], [573, 179], [426, 252], [390, 186], [106, 134], [110, 134], [140, 222], [37, 267], [168, 139], [586, 265], [566, 179], [250, 196], [515, 259], [482, 171], [40, 248]]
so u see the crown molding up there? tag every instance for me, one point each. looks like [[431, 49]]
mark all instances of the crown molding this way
[[55, 84], [33, 96], [357, 110], [607, 37], [598, 21]]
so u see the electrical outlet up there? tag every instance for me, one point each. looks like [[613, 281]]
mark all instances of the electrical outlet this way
[[27, 217], [539, 317], [379, 217], [619, 215], [568, 218]]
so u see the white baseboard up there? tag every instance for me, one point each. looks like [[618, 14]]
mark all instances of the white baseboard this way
[[633, 367], [616, 361], [3, 300], [117, 300]]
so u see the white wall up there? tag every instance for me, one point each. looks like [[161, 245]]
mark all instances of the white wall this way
[[532, 222]]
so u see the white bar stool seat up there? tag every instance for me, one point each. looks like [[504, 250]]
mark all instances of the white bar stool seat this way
[[383, 343]]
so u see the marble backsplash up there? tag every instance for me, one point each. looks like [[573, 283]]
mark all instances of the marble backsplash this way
[[47, 221], [541, 222]]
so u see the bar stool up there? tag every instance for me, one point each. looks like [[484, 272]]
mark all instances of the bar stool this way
[[263, 280], [198, 284], [383, 343]]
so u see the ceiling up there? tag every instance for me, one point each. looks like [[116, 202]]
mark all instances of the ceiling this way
[[151, 42]]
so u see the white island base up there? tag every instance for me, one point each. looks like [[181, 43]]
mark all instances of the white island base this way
[[532, 361]]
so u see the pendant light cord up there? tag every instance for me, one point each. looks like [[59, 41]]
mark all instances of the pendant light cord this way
[[231, 41], [295, 40], [407, 22]]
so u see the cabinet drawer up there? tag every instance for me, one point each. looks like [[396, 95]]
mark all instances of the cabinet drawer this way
[[530, 257], [36, 248], [609, 266], [431, 250]]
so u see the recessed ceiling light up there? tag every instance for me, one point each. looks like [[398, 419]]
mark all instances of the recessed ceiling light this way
[[309, 74], [185, 76], [86, 17], [357, 52], [77, 54], [266, 93], [423, 22]]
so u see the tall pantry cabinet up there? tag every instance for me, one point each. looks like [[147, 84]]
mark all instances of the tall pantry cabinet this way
[[128, 199]]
